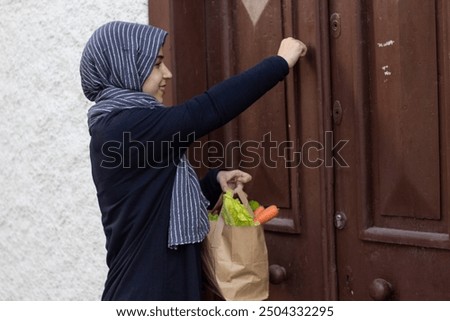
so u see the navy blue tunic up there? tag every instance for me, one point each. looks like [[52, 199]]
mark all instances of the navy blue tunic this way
[[134, 171]]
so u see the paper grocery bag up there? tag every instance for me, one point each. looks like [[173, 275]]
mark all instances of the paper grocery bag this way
[[235, 261]]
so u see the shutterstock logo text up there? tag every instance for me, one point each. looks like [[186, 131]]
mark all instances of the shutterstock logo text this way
[[245, 154]]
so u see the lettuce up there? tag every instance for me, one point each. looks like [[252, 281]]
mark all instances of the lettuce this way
[[253, 204], [234, 212], [213, 217]]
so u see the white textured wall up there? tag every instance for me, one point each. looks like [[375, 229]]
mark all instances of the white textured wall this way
[[51, 238]]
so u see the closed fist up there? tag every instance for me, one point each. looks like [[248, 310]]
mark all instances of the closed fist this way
[[291, 50]]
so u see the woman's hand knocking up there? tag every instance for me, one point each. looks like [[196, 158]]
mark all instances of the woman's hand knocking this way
[[232, 179], [291, 50]]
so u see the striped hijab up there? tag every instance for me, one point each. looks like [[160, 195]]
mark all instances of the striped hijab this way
[[115, 63]]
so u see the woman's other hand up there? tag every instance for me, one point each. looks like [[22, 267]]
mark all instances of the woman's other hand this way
[[232, 179], [291, 50]]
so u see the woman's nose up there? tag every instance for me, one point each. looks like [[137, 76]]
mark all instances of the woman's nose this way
[[166, 72]]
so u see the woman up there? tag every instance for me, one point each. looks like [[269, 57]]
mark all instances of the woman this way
[[154, 208]]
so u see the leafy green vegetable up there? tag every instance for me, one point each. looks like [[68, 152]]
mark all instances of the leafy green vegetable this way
[[213, 217], [234, 213], [254, 204]]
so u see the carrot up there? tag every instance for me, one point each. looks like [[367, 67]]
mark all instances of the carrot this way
[[258, 210], [267, 214]]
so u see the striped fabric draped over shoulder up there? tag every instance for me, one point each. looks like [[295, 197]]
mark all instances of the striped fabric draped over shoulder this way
[[187, 229]]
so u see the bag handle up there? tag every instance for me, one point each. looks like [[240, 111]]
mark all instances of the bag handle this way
[[244, 200], [242, 196]]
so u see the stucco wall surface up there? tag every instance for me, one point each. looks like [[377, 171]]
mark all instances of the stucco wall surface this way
[[51, 238]]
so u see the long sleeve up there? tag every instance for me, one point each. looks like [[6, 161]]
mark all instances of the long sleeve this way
[[210, 187], [226, 100], [182, 124]]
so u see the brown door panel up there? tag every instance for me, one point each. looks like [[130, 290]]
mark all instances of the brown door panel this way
[[236, 35], [390, 72]]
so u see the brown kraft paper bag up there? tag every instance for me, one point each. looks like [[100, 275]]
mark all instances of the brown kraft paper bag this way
[[235, 261]]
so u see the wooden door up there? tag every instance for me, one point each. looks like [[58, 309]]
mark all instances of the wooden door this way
[[391, 98], [365, 215], [280, 140]]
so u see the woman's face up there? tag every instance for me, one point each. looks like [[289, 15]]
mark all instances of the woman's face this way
[[155, 84]]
